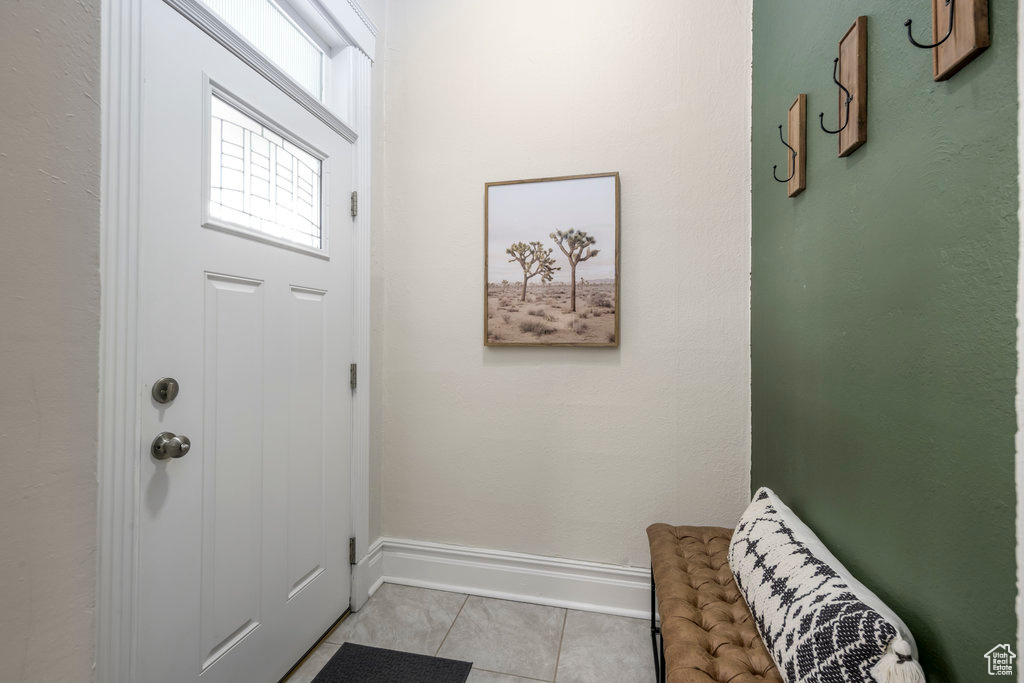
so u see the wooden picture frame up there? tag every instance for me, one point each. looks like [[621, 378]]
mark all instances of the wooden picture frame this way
[[551, 247]]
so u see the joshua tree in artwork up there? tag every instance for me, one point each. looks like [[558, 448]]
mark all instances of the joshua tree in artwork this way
[[534, 260], [572, 242]]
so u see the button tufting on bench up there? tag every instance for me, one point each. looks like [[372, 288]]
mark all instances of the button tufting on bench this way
[[708, 633]]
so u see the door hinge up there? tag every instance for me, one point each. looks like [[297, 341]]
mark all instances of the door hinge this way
[[352, 550], [352, 376], [355, 203]]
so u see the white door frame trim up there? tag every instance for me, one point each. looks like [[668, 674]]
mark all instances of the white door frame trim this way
[[360, 472], [119, 438], [120, 441]]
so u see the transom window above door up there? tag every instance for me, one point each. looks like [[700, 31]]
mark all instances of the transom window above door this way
[[262, 181], [271, 31]]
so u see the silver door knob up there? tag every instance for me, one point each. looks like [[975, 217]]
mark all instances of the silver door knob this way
[[167, 445]]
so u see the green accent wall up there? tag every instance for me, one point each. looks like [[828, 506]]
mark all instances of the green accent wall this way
[[883, 321]]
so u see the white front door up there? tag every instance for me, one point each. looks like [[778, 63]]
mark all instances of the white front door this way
[[246, 301]]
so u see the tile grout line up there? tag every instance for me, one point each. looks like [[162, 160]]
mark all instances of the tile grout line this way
[[500, 673], [561, 639], [451, 626]]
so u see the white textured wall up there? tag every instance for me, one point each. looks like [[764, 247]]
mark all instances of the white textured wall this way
[[567, 452], [49, 326]]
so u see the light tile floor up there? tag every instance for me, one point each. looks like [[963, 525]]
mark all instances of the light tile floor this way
[[506, 641]]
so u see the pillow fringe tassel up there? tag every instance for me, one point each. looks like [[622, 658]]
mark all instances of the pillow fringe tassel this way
[[897, 665]]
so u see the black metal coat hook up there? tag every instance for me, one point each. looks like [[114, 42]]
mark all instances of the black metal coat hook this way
[[776, 166], [910, 34], [849, 99]]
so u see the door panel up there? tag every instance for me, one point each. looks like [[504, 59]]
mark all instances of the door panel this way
[[242, 554], [232, 448], [306, 438]]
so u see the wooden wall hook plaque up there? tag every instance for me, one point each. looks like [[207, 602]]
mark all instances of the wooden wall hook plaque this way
[[798, 140], [959, 34], [853, 74]]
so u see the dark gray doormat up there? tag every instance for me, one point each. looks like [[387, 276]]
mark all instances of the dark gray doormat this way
[[376, 665]]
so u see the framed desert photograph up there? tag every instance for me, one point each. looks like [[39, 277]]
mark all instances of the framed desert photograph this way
[[551, 265]]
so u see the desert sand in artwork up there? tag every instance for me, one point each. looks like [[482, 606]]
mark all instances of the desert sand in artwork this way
[[545, 317]]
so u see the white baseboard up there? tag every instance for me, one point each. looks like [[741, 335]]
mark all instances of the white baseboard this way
[[575, 584]]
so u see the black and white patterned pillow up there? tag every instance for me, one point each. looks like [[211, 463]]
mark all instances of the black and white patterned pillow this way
[[819, 624]]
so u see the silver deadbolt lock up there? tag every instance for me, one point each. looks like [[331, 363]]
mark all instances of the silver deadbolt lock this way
[[167, 445], [165, 390]]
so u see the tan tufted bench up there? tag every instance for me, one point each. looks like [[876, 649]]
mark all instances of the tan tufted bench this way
[[707, 633]]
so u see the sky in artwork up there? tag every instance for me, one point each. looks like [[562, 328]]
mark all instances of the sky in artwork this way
[[528, 212]]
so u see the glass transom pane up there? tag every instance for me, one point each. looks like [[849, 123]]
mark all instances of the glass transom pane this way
[[261, 180], [273, 33]]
